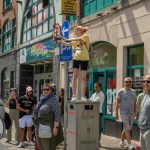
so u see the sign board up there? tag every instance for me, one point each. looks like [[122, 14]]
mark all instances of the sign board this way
[[69, 7], [65, 29], [23, 55], [57, 31], [66, 51]]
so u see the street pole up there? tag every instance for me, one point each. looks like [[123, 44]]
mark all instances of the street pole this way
[[65, 105]]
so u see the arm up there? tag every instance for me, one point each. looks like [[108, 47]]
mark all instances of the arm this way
[[18, 107], [117, 107], [57, 113], [68, 42], [8, 101]]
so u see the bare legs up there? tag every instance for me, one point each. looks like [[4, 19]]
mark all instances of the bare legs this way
[[83, 81], [74, 82]]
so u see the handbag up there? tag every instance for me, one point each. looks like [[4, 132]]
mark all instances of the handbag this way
[[44, 131]]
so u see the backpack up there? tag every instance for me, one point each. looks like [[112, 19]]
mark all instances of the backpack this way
[[7, 121]]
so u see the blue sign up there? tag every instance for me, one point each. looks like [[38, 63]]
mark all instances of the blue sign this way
[[65, 29], [66, 51]]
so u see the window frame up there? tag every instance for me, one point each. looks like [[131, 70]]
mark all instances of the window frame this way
[[6, 46], [5, 7], [37, 24]]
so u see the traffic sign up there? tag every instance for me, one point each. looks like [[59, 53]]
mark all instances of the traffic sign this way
[[66, 51], [65, 29], [57, 31]]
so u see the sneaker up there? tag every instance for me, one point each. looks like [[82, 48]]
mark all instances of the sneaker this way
[[131, 147], [31, 143], [83, 99], [122, 145], [21, 145], [17, 143], [73, 98]]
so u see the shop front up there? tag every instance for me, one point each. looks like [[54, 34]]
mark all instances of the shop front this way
[[102, 68], [36, 66]]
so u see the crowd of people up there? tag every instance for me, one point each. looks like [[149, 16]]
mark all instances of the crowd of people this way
[[32, 119], [47, 114]]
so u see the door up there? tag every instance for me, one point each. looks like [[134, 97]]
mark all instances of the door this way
[[39, 80], [100, 77]]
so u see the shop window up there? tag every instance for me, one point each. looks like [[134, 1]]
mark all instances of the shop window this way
[[38, 19], [111, 93], [102, 55], [48, 68], [135, 66], [6, 36], [5, 84]]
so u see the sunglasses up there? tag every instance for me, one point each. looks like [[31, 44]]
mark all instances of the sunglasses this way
[[128, 82], [46, 89], [146, 81]]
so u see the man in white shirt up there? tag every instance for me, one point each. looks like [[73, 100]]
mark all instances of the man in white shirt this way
[[99, 96]]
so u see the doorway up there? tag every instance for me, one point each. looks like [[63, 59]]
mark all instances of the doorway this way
[[39, 80]]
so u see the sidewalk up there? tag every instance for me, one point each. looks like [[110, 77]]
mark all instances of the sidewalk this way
[[107, 143]]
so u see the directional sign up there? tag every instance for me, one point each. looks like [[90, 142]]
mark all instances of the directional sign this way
[[66, 51], [65, 29]]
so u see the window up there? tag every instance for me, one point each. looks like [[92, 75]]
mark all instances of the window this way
[[102, 55], [6, 4], [92, 6], [6, 36], [38, 19], [135, 66]]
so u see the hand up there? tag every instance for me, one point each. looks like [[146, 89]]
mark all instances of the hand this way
[[55, 131]]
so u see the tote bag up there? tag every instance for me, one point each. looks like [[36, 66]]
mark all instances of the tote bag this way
[[45, 131]]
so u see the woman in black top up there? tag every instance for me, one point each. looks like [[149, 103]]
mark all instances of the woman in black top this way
[[14, 114]]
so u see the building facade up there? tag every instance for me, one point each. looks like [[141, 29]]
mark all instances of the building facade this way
[[37, 63], [119, 34], [8, 43]]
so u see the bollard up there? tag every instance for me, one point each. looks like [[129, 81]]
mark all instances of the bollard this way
[[138, 147]]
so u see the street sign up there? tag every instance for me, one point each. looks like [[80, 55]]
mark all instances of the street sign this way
[[65, 29], [69, 7], [66, 51], [57, 31]]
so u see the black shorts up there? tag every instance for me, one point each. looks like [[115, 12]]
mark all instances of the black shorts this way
[[82, 64]]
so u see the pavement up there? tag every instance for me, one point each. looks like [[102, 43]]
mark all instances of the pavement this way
[[107, 143]]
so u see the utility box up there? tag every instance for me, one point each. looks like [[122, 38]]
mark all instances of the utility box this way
[[83, 125]]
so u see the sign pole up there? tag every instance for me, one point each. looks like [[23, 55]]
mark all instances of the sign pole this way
[[65, 55], [65, 105]]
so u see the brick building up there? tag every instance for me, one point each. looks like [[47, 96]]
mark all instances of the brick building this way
[[8, 38]]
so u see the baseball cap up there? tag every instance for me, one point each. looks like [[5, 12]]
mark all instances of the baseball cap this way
[[29, 89]]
